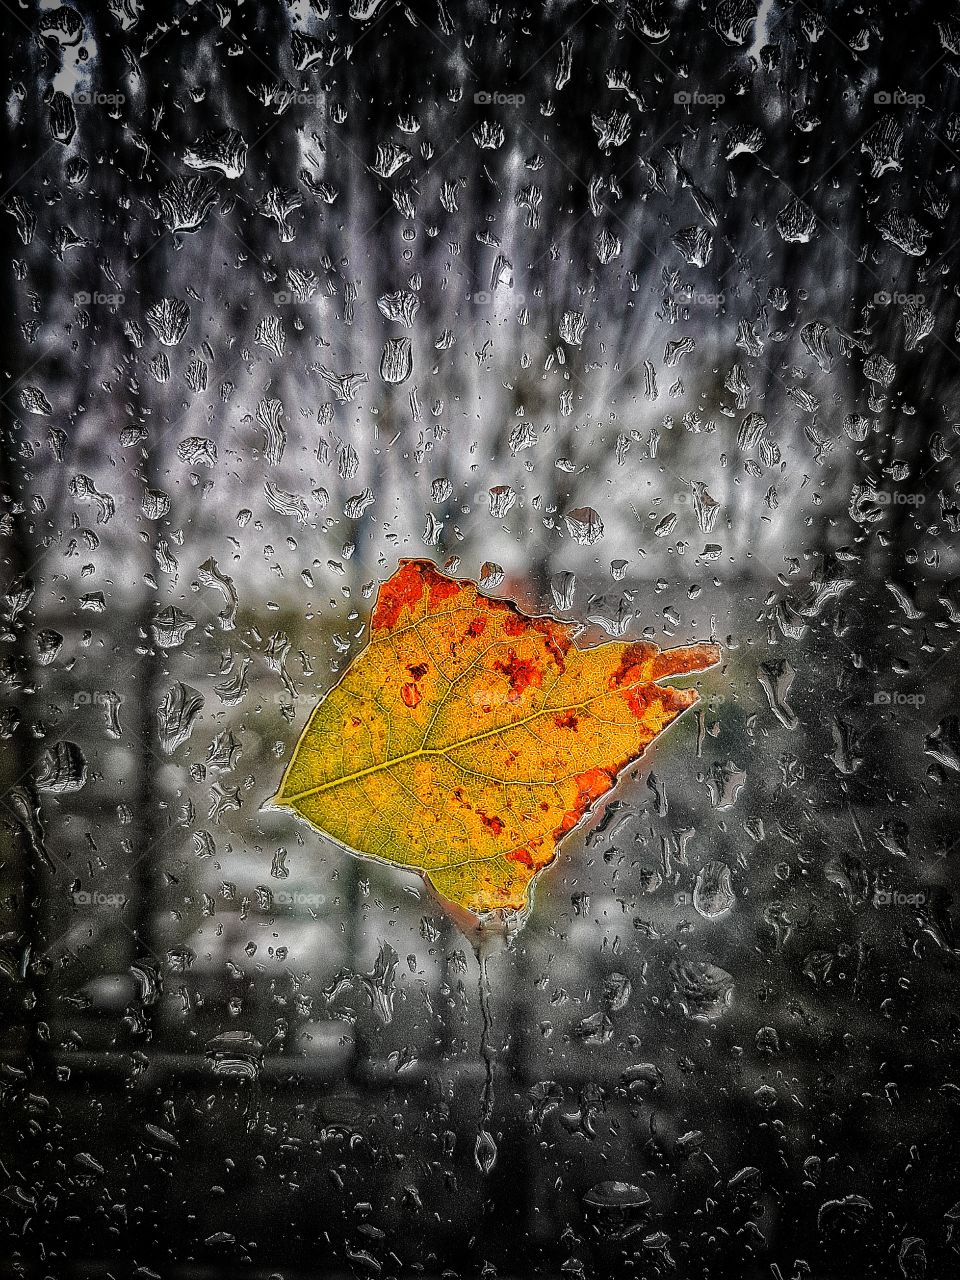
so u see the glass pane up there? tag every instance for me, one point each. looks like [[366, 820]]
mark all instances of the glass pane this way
[[642, 316]]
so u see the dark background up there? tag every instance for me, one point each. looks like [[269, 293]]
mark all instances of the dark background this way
[[228, 1047]]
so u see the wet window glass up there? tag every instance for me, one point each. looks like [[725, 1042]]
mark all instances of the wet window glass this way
[[480, 595]]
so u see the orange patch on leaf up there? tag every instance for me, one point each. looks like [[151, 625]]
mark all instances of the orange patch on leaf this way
[[632, 662], [590, 787], [522, 855], [440, 588], [557, 639], [404, 590], [639, 700], [411, 695], [520, 672]]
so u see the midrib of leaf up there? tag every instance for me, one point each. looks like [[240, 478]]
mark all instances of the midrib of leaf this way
[[422, 752]]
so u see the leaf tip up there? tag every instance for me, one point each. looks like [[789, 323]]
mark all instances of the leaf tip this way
[[688, 659]]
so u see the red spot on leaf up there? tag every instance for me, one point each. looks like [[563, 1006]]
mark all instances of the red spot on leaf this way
[[411, 695], [569, 720], [476, 627], [493, 823], [522, 855], [639, 700], [521, 673]]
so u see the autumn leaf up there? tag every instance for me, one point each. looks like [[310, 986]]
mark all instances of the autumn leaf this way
[[467, 739]]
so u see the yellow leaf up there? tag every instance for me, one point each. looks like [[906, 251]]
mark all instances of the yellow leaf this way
[[467, 739]]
